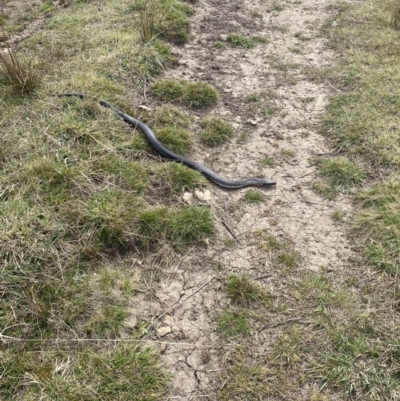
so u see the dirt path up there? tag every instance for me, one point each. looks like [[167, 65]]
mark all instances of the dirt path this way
[[281, 125]]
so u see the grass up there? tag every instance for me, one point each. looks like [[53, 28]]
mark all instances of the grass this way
[[232, 323], [239, 40], [175, 178], [287, 153], [378, 224], [278, 7], [280, 250], [256, 14], [341, 343], [23, 76], [219, 45], [267, 162], [196, 95], [252, 98], [162, 18], [125, 371], [339, 175], [254, 196], [261, 39], [243, 291], [215, 131], [77, 198], [179, 227], [362, 122], [338, 216]]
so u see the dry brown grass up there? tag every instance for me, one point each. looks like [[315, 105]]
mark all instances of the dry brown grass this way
[[22, 76]]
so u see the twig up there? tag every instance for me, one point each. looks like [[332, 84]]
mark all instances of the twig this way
[[178, 302], [182, 259], [261, 277], [230, 231]]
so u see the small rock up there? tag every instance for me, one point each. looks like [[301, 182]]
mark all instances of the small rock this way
[[163, 348], [163, 331], [187, 197], [223, 37], [203, 196]]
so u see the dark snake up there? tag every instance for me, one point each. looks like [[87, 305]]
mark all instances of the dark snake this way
[[167, 154]]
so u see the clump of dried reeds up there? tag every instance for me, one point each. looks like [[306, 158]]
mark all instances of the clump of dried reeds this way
[[23, 76]]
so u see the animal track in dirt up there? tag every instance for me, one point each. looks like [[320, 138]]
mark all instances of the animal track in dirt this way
[[282, 126]]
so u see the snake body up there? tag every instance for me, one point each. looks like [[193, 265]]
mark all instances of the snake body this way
[[169, 155]]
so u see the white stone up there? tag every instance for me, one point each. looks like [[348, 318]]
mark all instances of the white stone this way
[[203, 196], [187, 197]]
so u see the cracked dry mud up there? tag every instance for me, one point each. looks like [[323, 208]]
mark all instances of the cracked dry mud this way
[[291, 211]]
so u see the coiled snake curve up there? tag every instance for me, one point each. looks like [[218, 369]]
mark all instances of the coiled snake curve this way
[[167, 154]]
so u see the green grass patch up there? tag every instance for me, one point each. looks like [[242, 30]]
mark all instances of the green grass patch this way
[[364, 121], [175, 178], [339, 175], [280, 250], [267, 162], [215, 131], [175, 139], [46, 7], [219, 45], [261, 39], [196, 95], [123, 371], [232, 323], [179, 227], [287, 153], [378, 224], [253, 98], [161, 18], [254, 196], [244, 380], [239, 40], [243, 291], [76, 197], [278, 7]]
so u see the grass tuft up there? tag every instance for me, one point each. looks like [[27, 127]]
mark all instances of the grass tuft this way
[[242, 291], [254, 196], [239, 40], [378, 224], [176, 178], [24, 77], [340, 175], [192, 94], [180, 227], [164, 18], [232, 323], [175, 139], [215, 131]]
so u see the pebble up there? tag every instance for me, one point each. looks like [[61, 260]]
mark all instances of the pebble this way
[[163, 331]]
